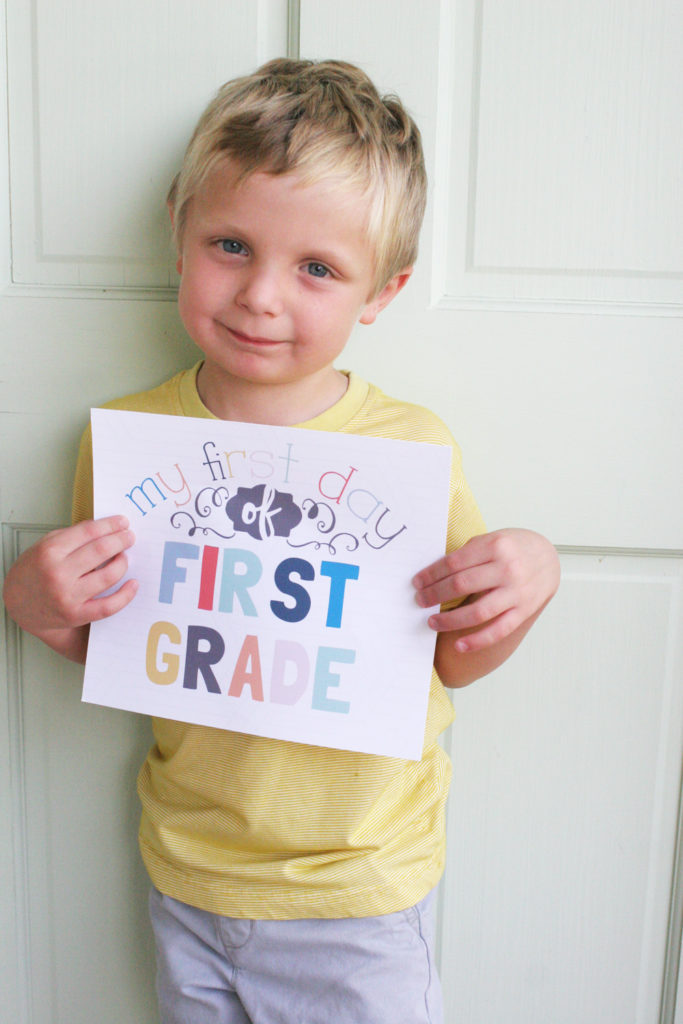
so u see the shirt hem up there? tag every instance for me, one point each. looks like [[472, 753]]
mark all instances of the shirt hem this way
[[272, 902]]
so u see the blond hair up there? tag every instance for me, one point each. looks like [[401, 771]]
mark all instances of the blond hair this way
[[321, 120]]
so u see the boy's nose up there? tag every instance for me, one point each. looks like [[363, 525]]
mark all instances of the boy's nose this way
[[261, 292]]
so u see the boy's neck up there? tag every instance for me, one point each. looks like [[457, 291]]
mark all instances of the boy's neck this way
[[282, 405]]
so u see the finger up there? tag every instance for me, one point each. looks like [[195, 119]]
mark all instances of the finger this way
[[94, 583], [459, 585], [66, 604], [66, 541], [103, 607], [494, 632], [98, 551], [474, 614], [471, 554]]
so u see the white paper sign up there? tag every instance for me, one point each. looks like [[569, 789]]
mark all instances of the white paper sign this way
[[274, 567]]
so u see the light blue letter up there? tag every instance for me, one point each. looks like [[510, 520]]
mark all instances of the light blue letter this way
[[171, 572], [325, 679], [237, 584]]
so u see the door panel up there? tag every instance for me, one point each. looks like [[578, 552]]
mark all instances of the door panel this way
[[562, 829]]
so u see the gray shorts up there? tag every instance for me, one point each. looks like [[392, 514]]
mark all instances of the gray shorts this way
[[223, 970]]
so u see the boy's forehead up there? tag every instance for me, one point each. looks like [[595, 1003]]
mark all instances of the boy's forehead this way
[[228, 181], [227, 191]]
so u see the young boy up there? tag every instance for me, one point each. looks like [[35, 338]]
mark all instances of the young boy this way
[[294, 883]]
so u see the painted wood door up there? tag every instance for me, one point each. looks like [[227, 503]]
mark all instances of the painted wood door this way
[[543, 324]]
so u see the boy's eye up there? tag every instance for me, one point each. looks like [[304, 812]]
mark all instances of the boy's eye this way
[[317, 270], [231, 246]]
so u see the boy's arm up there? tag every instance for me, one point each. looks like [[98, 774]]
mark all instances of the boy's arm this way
[[51, 590], [506, 579]]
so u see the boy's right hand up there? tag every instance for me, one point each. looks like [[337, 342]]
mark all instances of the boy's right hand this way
[[52, 589]]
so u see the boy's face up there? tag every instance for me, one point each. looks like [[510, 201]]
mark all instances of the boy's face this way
[[274, 275]]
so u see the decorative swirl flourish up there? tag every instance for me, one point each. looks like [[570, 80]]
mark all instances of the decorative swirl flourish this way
[[351, 544], [348, 546], [312, 509], [204, 530], [219, 496]]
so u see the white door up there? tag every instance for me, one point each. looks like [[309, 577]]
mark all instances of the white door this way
[[543, 324]]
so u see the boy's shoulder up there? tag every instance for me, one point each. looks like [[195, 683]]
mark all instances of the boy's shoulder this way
[[394, 417], [176, 396]]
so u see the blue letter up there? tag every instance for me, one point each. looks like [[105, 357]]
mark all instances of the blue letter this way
[[145, 495], [171, 572], [324, 679], [237, 584], [339, 573], [286, 586]]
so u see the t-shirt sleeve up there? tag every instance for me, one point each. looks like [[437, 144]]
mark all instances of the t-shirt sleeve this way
[[82, 500], [464, 518], [175, 397]]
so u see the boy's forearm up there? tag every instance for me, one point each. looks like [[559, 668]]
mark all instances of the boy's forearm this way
[[457, 669], [70, 643]]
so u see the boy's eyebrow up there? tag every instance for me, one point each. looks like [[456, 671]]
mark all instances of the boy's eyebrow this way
[[215, 225]]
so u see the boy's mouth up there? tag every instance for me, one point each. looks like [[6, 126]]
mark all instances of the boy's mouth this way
[[249, 339]]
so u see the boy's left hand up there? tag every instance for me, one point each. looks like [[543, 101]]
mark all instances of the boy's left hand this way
[[507, 577]]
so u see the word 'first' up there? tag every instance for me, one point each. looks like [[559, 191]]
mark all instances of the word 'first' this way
[[242, 570]]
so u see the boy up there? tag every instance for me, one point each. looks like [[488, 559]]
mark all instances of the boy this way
[[293, 883]]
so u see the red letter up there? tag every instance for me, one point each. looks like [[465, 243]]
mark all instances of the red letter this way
[[331, 472], [208, 578]]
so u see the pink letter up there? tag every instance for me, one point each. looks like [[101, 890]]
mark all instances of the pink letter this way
[[281, 692], [247, 670]]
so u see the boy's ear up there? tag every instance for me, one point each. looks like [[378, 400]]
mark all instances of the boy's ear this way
[[389, 292], [171, 212]]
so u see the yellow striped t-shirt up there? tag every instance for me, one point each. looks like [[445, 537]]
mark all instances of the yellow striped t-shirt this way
[[260, 828]]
